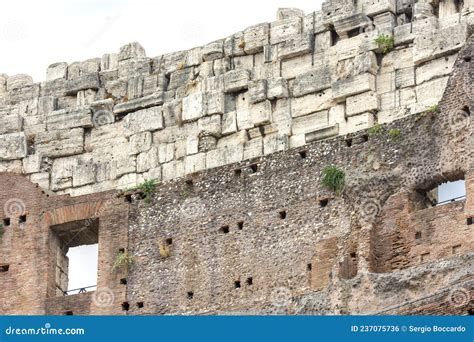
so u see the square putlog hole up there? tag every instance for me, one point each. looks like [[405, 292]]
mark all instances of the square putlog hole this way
[[282, 214], [4, 268], [6, 221], [224, 229], [190, 295]]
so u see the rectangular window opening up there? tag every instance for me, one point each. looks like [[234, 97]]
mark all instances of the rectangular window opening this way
[[190, 295], [418, 235], [224, 230], [309, 267], [237, 172], [140, 305], [237, 284], [282, 214], [22, 219], [240, 225], [253, 168], [75, 248], [443, 193], [123, 281], [469, 221], [4, 268], [302, 154], [6, 221], [69, 313], [323, 203], [169, 241], [249, 281]]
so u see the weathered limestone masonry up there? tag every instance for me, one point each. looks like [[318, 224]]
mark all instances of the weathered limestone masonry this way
[[112, 122], [237, 134]]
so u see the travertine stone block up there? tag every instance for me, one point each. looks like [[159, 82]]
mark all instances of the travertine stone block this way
[[405, 77], [255, 37], [429, 93], [365, 102], [181, 77], [308, 123], [173, 169], [294, 47], [10, 123], [88, 81], [152, 100], [109, 61], [311, 103], [214, 50], [83, 172], [260, 113], [275, 142], [56, 70], [210, 125], [140, 142], [353, 86], [290, 68], [257, 91], [359, 122], [229, 123], [312, 81], [18, 81], [194, 163], [193, 107], [282, 30], [322, 133], [60, 143], [165, 152], [236, 80], [243, 62], [149, 119], [32, 163], [277, 88], [347, 24], [253, 148], [46, 104], [131, 50], [134, 67], [436, 68], [215, 102], [148, 160], [12, 146], [65, 119]]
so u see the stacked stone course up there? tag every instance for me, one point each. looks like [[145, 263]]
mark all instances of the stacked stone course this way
[[113, 122]]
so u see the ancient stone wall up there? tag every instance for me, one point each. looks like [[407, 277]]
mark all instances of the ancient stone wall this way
[[113, 122], [257, 234]]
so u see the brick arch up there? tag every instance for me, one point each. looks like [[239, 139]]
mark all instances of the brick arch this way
[[75, 212]]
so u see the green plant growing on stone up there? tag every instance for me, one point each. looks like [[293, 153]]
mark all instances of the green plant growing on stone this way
[[375, 130], [242, 44], [386, 43], [333, 178], [433, 109], [123, 260], [394, 134], [148, 188]]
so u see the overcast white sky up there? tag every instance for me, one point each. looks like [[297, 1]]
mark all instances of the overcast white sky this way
[[35, 34]]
